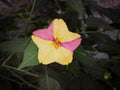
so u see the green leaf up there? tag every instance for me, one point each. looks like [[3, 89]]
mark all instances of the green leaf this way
[[97, 22], [89, 63], [80, 82], [97, 85], [84, 57], [77, 5], [111, 13], [30, 56], [106, 44], [15, 45], [53, 83]]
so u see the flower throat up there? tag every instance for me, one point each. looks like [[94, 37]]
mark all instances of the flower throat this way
[[56, 43]]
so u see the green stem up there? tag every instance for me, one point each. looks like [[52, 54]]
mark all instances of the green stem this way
[[20, 78], [7, 59], [10, 79], [33, 6], [47, 80], [28, 69], [27, 28], [13, 68], [89, 32], [57, 4], [29, 19], [109, 84], [22, 16], [90, 85]]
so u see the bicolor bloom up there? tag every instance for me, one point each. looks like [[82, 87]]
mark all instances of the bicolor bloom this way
[[56, 43]]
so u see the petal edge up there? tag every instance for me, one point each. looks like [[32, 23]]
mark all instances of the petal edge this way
[[72, 45]]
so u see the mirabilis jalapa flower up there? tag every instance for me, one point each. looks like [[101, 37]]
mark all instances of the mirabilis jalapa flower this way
[[56, 43]]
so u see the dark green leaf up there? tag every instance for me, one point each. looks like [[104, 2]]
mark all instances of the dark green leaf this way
[[112, 13], [84, 57], [15, 45], [96, 71], [97, 22], [97, 85], [89, 63], [106, 44], [5, 2], [80, 82], [44, 81], [30, 56], [116, 68], [77, 5]]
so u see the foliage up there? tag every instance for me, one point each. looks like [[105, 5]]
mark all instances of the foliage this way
[[18, 54]]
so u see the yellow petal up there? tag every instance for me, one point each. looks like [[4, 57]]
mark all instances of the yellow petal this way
[[46, 57], [48, 53], [41, 43], [62, 33], [63, 56], [44, 48], [60, 55]]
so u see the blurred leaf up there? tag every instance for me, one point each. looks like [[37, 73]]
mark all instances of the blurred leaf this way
[[112, 13], [30, 56], [53, 83], [110, 48], [74, 68], [15, 45], [77, 5], [84, 57], [96, 71], [89, 63], [116, 68], [106, 44], [91, 3], [98, 85], [97, 22], [6, 2], [80, 82]]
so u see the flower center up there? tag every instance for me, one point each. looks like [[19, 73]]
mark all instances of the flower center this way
[[56, 43]]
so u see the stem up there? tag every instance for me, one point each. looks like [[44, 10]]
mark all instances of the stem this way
[[12, 80], [22, 16], [13, 68], [29, 68], [90, 85], [20, 78], [7, 59], [57, 4], [33, 6], [47, 80], [89, 32], [30, 16], [108, 83]]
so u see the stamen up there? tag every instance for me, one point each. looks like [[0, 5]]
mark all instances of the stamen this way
[[56, 43]]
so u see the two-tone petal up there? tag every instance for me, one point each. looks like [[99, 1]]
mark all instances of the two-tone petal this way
[[68, 39], [46, 34], [48, 53], [56, 43]]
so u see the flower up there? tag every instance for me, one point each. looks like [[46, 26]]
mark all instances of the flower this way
[[56, 43]]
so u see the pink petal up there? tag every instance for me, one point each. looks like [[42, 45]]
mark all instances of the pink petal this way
[[72, 45], [46, 34]]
